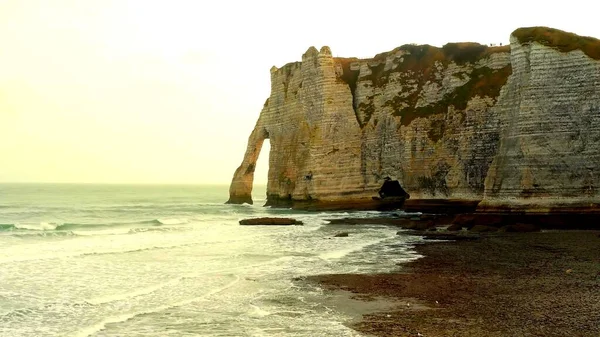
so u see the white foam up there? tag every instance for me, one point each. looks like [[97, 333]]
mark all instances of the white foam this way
[[50, 251], [108, 231], [132, 294], [173, 221], [256, 311], [42, 226], [338, 254], [90, 330], [254, 266], [93, 329]]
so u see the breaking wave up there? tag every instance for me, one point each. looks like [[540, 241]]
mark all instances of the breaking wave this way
[[51, 226], [6, 227], [101, 325], [41, 226]]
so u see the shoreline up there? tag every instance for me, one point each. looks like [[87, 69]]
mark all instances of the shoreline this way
[[502, 284]]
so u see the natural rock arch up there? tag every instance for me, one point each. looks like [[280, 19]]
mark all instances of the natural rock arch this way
[[240, 190]]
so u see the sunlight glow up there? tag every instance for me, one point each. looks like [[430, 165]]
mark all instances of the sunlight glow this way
[[168, 91]]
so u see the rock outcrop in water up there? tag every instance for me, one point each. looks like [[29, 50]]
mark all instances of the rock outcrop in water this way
[[514, 126], [270, 222]]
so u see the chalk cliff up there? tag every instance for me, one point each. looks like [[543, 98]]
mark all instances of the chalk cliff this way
[[509, 125]]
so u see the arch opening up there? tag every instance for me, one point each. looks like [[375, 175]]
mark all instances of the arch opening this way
[[261, 174], [241, 188]]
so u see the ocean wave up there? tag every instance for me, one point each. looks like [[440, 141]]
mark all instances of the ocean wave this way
[[6, 227], [40, 226], [28, 234], [101, 325], [154, 222], [339, 253], [106, 251], [171, 282], [128, 207], [20, 313], [126, 230], [106, 231], [156, 229], [90, 227], [131, 294], [174, 221], [67, 226], [137, 250]]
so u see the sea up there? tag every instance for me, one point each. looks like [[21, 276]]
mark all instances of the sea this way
[[84, 260]]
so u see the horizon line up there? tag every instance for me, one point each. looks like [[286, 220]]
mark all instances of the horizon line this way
[[120, 183]]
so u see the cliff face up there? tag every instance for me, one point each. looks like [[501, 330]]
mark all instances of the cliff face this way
[[460, 122], [312, 128], [549, 151]]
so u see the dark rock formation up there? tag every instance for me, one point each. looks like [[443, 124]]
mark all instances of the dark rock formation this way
[[392, 189], [454, 227], [526, 222], [520, 228], [449, 236], [270, 222], [441, 206], [483, 229]]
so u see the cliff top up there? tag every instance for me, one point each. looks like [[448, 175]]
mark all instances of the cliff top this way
[[464, 52], [561, 40], [420, 58], [458, 52]]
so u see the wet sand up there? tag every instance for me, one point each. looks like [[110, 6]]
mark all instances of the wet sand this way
[[504, 284]]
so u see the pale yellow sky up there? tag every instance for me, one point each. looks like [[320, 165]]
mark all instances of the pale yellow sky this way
[[144, 91]]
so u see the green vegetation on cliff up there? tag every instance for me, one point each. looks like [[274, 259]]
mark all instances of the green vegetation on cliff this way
[[484, 82], [561, 40], [349, 76], [471, 52], [419, 64], [420, 58]]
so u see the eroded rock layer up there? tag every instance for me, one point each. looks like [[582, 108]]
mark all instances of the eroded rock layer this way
[[510, 125], [549, 150]]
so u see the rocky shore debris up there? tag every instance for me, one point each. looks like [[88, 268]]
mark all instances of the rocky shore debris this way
[[341, 235], [528, 222], [270, 222], [523, 284], [447, 236], [416, 222], [480, 222]]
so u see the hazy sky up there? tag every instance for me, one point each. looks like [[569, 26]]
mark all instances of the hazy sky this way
[[168, 91]]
